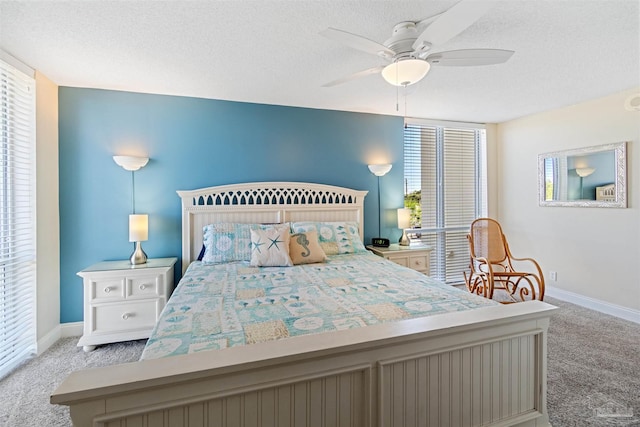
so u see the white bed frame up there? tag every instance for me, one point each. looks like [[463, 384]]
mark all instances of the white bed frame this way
[[479, 367]]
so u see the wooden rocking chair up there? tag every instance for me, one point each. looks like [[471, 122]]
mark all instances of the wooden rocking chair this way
[[492, 266]]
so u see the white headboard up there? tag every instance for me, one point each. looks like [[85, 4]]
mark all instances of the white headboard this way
[[264, 202]]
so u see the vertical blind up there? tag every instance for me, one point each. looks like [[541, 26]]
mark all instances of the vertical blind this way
[[446, 166], [17, 218]]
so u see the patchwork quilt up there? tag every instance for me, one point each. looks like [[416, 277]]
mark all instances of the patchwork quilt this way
[[225, 305]]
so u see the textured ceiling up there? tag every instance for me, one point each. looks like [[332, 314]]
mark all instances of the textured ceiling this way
[[270, 52]]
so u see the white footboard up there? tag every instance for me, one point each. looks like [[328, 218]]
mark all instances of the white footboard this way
[[480, 367]]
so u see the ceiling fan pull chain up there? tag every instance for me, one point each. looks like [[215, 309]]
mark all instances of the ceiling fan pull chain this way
[[405, 101], [397, 92], [405, 106]]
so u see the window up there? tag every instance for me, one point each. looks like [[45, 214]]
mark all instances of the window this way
[[17, 217], [445, 187]]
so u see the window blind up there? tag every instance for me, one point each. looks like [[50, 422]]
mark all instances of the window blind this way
[[17, 217], [450, 163]]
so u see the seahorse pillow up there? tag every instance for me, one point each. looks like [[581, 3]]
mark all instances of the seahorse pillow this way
[[270, 247], [305, 249], [334, 237]]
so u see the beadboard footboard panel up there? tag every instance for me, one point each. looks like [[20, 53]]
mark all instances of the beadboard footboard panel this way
[[332, 398], [483, 384], [459, 369]]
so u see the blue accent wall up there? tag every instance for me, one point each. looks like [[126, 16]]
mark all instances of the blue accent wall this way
[[194, 143]]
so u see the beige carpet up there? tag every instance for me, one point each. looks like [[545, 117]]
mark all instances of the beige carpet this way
[[26, 391], [593, 373], [593, 369]]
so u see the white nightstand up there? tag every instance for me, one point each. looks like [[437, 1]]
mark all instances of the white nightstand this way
[[415, 256], [122, 302]]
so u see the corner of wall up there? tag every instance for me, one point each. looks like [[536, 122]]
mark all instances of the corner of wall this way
[[493, 171], [47, 211]]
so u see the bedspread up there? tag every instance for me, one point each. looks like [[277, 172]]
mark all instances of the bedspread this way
[[225, 305]]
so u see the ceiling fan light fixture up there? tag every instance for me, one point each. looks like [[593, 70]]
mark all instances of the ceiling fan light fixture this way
[[405, 72]]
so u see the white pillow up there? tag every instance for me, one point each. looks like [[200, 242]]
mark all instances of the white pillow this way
[[270, 247]]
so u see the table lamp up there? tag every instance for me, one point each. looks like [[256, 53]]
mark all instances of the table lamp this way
[[404, 222]]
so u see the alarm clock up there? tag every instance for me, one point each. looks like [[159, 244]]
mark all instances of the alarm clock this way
[[380, 242]]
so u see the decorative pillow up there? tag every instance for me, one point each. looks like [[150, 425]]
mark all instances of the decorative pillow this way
[[270, 247], [305, 249], [334, 237], [227, 242]]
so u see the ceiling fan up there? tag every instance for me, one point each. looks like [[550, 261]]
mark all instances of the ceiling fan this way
[[409, 50]]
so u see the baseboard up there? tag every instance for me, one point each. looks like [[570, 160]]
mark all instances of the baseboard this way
[[594, 304], [61, 331], [72, 329], [48, 340]]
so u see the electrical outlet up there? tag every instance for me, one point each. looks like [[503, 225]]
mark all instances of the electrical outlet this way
[[553, 275]]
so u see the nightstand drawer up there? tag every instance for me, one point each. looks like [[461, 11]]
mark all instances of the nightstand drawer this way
[[143, 286], [107, 289], [414, 257], [403, 260], [419, 263], [125, 316]]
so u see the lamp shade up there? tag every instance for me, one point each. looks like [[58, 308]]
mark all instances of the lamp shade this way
[[405, 72], [380, 170], [584, 172], [138, 228], [130, 163], [404, 218]]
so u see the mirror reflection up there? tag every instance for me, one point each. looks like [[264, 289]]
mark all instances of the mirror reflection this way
[[590, 177]]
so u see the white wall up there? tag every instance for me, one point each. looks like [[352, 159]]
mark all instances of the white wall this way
[[47, 215], [595, 251], [493, 176]]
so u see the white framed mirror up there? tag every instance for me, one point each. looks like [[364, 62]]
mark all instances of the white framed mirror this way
[[584, 177]]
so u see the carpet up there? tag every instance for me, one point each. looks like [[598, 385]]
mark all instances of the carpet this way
[[26, 391], [593, 371]]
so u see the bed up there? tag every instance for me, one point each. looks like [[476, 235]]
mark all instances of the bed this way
[[466, 363], [606, 193]]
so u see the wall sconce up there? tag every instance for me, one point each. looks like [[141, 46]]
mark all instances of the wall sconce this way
[[380, 170], [138, 223], [404, 222], [584, 172], [131, 163]]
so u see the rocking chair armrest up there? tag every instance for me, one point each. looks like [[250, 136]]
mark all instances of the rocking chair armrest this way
[[523, 259], [483, 261], [535, 263]]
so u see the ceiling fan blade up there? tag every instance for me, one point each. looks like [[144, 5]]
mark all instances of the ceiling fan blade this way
[[469, 57], [452, 22], [358, 42], [422, 24], [357, 75]]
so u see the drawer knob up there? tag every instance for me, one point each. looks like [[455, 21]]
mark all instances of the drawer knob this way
[[107, 289], [125, 316], [143, 287]]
